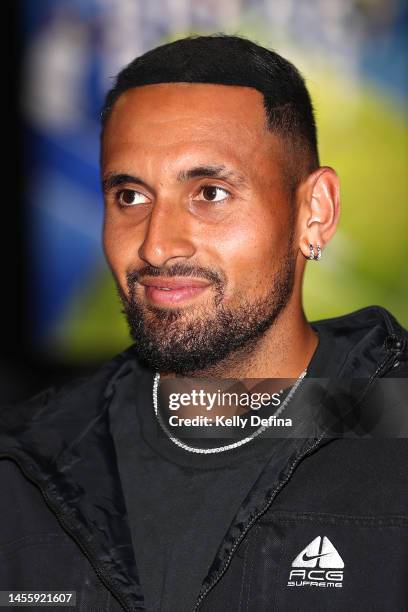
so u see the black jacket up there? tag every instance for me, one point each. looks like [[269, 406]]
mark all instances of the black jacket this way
[[325, 527]]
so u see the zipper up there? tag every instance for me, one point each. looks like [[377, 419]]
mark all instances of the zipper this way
[[262, 511], [386, 364], [67, 528]]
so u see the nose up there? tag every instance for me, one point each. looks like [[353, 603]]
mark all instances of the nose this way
[[168, 235]]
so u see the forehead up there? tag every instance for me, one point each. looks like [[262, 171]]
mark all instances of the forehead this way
[[176, 118]]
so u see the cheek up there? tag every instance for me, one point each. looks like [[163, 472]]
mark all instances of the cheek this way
[[120, 245], [250, 253]]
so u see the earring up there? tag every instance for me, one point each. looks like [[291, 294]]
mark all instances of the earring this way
[[313, 255]]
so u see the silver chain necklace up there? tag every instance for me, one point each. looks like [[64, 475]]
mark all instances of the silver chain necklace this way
[[219, 449]]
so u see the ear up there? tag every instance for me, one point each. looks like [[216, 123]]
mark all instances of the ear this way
[[319, 209]]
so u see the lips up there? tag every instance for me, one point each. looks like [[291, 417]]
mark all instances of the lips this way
[[173, 290]]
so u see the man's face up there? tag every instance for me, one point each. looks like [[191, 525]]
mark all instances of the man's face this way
[[199, 227]]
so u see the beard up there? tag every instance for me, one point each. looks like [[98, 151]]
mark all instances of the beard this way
[[194, 339]]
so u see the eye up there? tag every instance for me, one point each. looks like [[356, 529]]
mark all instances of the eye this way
[[131, 197], [212, 193]]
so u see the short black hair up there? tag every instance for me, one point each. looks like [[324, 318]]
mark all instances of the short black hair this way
[[233, 60]]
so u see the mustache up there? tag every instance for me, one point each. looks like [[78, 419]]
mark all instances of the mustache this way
[[178, 269]]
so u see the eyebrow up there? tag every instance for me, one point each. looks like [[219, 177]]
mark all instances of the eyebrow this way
[[220, 172], [116, 179]]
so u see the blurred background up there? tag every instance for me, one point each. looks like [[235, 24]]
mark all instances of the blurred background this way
[[62, 314]]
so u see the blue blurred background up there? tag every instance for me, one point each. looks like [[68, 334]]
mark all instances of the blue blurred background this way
[[353, 54]]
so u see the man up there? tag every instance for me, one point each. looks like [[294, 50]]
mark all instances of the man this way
[[214, 202]]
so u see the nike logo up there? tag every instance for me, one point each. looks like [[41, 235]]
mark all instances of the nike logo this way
[[312, 555], [306, 557]]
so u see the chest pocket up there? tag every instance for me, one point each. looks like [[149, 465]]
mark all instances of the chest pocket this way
[[320, 562]]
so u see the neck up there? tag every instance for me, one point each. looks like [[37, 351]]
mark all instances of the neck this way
[[284, 351]]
